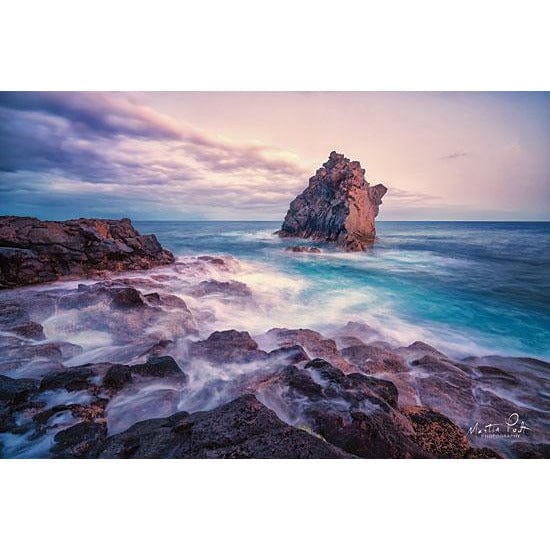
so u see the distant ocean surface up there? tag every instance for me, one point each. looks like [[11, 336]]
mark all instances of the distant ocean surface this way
[[468, 288]]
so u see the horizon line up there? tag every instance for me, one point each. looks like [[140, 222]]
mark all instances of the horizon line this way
[[378, 221]]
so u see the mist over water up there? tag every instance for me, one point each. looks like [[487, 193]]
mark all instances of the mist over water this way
[[469, 288]]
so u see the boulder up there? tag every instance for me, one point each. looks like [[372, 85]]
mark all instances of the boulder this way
[[15, 318], [338, 206], [314, 344], [117, 377], [385, 389], [31, 330], [227, 346], [82, 440], [159, 367], [71, 379], [243, 428]]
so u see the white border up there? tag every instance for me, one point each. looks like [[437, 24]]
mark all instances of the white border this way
[[274, 504], [284, 45]]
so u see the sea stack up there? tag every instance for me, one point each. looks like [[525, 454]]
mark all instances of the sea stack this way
[[338, 206]]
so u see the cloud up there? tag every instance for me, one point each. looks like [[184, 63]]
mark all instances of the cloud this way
[[400, 197], [109, 114], [454, 156], [83, 146]]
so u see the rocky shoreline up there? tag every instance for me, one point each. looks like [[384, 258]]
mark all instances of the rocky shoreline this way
[[139, 365], [33, 251]]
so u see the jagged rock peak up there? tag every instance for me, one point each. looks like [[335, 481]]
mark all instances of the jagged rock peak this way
[[338, 206]]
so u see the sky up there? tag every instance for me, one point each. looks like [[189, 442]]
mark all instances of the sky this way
[[246, 155]]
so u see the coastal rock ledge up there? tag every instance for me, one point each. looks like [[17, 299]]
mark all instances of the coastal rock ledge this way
[[338, 206], [34, 251]]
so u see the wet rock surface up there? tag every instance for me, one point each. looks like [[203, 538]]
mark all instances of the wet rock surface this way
[[243, 428], [229, 288], [35, 251], [159, 367], [150, 366], [343, 410], [314, 343], [229, 346], [13, 391], [79, 441], [338, 206]]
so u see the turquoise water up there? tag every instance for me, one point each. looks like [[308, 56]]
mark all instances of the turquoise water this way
[[468, 287]]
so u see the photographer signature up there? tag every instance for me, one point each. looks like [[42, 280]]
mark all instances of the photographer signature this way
[[512, 427]]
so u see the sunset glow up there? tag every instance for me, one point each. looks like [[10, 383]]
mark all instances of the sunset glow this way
[[470, 156]]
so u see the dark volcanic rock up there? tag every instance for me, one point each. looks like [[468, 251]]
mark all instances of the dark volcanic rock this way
[[338, 206], [30, 329], [531, 450], [358, 332], [228, 346], [34, 251], [288, 355], [16, 319], [82, 440], [117, 377], [127, 298], [351, 412], [15, 390], [314, 343], [126, 314], [71, 379], [481, 452], [300, 383], [159, 367], [384, 389], [243, 428], [436, 433], [443, 385]]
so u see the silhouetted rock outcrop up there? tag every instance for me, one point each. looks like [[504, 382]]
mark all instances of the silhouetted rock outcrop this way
[[337, 206], [34, 251]]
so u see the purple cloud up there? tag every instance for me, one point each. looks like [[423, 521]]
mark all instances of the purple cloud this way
[[86, 145]]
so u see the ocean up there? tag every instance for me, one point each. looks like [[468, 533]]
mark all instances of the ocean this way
[[468, 288]]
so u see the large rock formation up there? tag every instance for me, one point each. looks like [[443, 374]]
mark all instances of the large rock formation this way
[[337, 206], [34, 251]]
